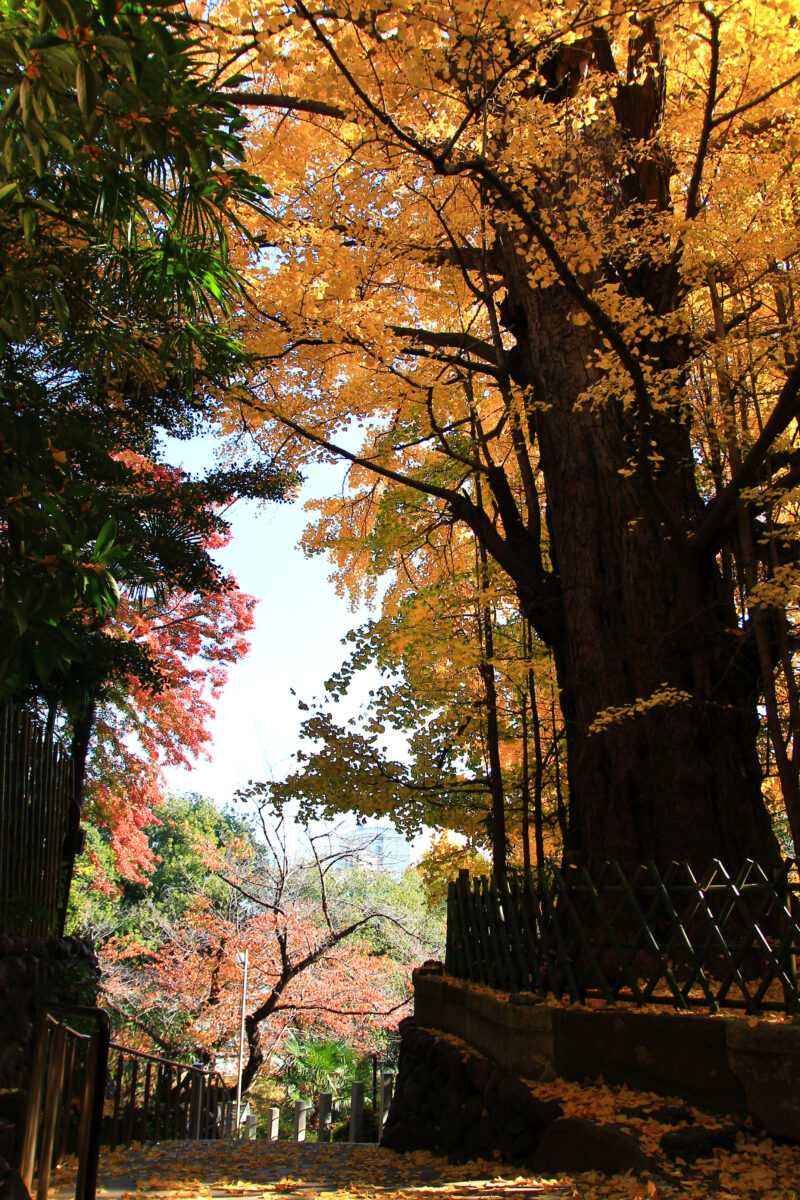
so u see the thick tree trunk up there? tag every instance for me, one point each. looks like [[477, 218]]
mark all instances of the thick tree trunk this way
[[639, 616], [73, 838]]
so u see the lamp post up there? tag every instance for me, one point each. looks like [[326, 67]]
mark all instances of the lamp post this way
[[243, 961]]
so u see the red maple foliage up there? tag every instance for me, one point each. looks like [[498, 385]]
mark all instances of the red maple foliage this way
[[186, 992], [193, 639]]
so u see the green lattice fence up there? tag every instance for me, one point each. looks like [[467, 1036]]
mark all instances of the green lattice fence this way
[[661, 937]]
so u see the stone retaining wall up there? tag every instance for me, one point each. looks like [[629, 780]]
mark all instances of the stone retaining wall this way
[[725, 1065], [452, 1100]]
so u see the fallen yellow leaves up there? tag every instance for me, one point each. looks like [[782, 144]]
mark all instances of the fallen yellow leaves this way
[[757, 1169]]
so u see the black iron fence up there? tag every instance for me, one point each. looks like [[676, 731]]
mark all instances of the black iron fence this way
[[88, 1093], [668, 937], [153, 1099], [35, 792]]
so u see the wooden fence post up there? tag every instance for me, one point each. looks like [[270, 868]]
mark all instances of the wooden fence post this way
[[35, 1093], [52, 1104], [273, 1123], [356, 1112], [387, 1080], [197, 1096], [324, 1119], [656, 937], [35, 794], [300, 1110], [786, 926]]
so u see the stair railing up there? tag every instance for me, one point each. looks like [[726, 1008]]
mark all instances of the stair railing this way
[[65, 1099], [87, 1093], [154, 1099]]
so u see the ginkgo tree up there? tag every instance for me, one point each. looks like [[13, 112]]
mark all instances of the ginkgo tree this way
[[469, 664], [481, 737], [553, 246]]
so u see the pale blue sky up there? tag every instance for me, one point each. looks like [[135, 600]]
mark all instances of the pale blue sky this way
[[296, 643]]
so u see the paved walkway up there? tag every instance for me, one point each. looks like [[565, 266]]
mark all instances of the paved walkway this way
[[286, 1171], [758, 1169]]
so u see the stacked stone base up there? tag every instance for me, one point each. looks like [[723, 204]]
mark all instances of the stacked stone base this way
[[722, 1065], [453, 1101]]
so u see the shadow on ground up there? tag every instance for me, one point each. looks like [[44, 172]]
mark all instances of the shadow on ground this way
[[280, 1171]]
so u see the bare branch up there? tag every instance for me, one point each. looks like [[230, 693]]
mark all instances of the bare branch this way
[[429, 489], [168, 1047], [456, 341], [288, 103], [344, 1012], [692, 204], [743, 108], [248, 895]]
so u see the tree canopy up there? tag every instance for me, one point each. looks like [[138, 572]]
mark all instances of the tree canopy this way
[[120, 181], [541, 256], [330, 946]]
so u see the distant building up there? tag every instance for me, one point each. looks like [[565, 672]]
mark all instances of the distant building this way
[[373, 848]]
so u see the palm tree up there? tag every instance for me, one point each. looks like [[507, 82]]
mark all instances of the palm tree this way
[[313, 1066]]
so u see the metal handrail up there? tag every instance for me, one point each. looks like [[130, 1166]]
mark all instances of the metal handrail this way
[[46, 1136], [154, 1099]]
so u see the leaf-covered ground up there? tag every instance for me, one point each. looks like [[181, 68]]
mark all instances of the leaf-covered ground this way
[[758, 1168]]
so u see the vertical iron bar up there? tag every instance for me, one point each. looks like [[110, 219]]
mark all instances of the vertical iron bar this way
[[196, 1097], [145, 1102], [100, 1072], [134, 1077], [55, 1076], [62, 1146], [162, 1099], [117, 1097], [85, 1121], [30, 1136]]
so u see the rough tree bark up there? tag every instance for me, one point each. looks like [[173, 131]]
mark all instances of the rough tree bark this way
[[637, 614], [637, 609]]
